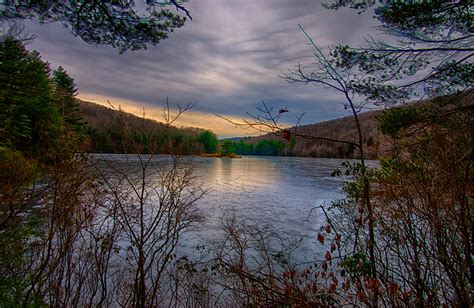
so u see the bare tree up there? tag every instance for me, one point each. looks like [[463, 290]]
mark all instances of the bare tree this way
[[325, 72], [153, 203], [252, 266], [103, 232]]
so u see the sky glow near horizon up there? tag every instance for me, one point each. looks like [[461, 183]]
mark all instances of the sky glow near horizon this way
[[226, 60]]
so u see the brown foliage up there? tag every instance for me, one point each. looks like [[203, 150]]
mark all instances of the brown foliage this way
[[375, 144]]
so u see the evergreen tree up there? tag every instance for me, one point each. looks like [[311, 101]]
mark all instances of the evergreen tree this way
[[209, 140], [29, 122], [243, 148], [432, 48], [64, 90], [269, 147], [227, 147], [119, 23], [291, 146]]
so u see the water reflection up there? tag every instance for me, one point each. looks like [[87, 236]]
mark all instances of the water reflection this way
[[238, 174], [277, 192]]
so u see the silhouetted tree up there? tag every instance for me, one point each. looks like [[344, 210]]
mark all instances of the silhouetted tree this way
[[433, 47], [29, 121], [64, 91], [119, 23]]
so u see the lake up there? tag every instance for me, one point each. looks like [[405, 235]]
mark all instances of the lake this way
[[281, 193], [278, 192]]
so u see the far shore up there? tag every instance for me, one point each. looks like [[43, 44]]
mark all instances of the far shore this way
[[220, 155]]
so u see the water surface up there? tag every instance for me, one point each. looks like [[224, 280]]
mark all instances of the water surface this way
[[281, 193]]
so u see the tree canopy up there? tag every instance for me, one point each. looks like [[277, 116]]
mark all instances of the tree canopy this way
[[40, 115], [209, 140], [431, 54], [25, 97], [122, 24], [227, 147], [64, 90]]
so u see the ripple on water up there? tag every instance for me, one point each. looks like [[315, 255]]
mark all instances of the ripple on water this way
[[276, 192], [280, 193]]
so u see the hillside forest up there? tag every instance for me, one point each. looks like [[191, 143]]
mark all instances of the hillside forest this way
[[103, 128]]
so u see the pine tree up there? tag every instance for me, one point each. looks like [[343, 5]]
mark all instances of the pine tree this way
[[64, 91], [126, 25], [28, 121]]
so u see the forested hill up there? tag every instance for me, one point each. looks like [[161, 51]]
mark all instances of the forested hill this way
[[302, 143], [109, 130]]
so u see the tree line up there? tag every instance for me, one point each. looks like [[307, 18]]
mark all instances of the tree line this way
[[104, 130], [265, 147]]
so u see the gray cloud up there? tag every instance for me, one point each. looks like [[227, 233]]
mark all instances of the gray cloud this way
[[227, 59]]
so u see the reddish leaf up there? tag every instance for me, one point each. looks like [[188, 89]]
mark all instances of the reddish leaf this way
[[328, 256], [320, 238]]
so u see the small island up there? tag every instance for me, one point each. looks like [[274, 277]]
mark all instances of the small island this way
[[227, 151]]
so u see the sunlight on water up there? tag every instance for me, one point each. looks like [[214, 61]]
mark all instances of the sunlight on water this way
[[280, 193]]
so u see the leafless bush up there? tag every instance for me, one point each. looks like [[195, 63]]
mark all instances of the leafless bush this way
[[152, 205], [252, 266], [103, 232]]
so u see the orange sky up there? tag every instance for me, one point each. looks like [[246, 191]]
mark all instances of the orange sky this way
[[190, 118]]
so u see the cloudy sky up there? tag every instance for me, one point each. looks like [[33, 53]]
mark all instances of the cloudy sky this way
[[226, 60]]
